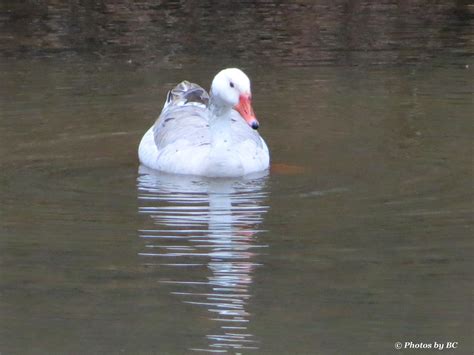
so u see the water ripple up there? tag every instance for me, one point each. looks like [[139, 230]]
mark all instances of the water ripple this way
[[211, 223]]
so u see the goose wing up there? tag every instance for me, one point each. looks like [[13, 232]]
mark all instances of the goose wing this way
[[184, 120]]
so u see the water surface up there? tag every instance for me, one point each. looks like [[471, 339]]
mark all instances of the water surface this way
[[360, 237]]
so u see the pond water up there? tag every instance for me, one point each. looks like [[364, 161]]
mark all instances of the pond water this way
[[360, 236]]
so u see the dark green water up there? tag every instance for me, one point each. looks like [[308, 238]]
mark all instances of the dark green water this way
[[366, 243]]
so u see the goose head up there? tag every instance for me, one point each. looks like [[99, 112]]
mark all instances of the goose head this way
[[231, 89]]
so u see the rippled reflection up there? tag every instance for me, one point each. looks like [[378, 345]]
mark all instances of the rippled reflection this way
[[210, 224]]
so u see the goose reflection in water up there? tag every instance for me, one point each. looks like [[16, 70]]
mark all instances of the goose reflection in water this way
[[214, 223]]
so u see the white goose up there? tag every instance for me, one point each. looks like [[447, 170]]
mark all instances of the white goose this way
[[208, 136]]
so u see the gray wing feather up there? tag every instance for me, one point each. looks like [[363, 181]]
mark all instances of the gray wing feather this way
[[186, 93], [184, 116], [185, 123]]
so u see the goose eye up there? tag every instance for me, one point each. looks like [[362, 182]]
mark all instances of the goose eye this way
[[231, 84]]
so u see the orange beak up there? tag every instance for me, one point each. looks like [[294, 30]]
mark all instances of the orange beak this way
[[244, 107]]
